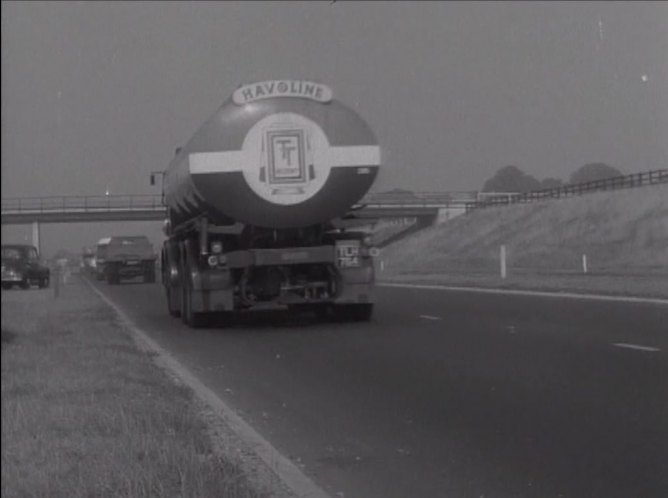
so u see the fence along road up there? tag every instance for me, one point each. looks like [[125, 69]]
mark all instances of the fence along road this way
[[488, 199]]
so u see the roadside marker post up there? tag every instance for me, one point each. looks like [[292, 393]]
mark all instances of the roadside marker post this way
[[503, 261], [584, 263]]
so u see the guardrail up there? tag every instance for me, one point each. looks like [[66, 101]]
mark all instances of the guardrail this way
[[614, 183]]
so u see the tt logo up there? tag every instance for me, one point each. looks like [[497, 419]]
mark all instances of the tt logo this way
[[287, 147], [286, 155]]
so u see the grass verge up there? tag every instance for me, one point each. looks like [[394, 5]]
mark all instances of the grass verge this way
[[85, 413], [623, 234]]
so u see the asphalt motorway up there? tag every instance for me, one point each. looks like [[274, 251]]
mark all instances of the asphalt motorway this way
[[444, 393]]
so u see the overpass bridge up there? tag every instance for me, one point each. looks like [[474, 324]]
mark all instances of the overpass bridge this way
[[425, 207]]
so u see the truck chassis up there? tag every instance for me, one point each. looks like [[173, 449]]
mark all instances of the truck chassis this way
[[210, 269]]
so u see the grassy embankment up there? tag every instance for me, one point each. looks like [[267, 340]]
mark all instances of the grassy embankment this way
[[623, 233], [85, 413]]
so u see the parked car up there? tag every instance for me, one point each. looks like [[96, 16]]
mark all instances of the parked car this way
[[21, 266]]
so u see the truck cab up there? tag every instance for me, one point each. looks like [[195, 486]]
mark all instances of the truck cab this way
[[100, 257]]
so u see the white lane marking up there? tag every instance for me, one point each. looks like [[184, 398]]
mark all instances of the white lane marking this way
[[635, 346], [598, 297], [430, 317], [286, 471]]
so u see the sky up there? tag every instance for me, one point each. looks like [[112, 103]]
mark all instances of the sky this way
[[97, 95]]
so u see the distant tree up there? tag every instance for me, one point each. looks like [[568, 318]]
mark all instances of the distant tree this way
[[551, 183], [592, 172], [511, 179]]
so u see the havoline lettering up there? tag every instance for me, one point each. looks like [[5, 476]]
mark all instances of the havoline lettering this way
[[282, 88]]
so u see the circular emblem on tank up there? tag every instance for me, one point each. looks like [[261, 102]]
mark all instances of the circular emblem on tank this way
[[288, 160]]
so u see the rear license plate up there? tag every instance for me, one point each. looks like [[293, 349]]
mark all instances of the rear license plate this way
[[348, 254]]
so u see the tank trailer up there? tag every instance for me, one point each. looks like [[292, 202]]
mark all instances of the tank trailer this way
[[260, 207]]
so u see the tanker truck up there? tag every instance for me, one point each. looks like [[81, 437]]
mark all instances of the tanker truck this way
[[261, 207]]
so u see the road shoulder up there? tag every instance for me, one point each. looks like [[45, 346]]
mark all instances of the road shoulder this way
[[87, 412]]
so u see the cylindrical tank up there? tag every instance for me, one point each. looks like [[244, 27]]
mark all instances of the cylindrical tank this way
[[277, 154]]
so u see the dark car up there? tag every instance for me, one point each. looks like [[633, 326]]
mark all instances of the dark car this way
[[125, 257], [21, 266]]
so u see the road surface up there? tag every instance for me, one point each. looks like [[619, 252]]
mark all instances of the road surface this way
[[445, 394]]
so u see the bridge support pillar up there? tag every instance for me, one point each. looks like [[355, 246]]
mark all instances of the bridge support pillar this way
[[35, 236]]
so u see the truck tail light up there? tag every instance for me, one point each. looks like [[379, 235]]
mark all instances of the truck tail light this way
[[216, 247]]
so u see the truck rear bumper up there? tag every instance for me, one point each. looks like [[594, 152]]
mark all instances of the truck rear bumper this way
[[205, 301]]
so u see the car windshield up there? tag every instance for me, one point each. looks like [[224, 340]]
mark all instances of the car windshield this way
[[19, 253], [10, 253]]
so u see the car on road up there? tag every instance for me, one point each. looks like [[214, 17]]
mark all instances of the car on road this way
[[21, 266], [126, 257]]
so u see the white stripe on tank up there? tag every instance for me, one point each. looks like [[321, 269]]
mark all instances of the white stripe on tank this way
[[226, 161], [349, 156]]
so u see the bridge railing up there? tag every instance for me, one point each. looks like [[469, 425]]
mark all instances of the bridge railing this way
[[154, 202], [82, 203]]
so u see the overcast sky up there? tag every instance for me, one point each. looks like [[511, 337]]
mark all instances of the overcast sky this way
[[97, 95]]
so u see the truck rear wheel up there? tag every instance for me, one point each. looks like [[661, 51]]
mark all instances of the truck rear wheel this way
[[173, 302], [188, 316], [193, 319]]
